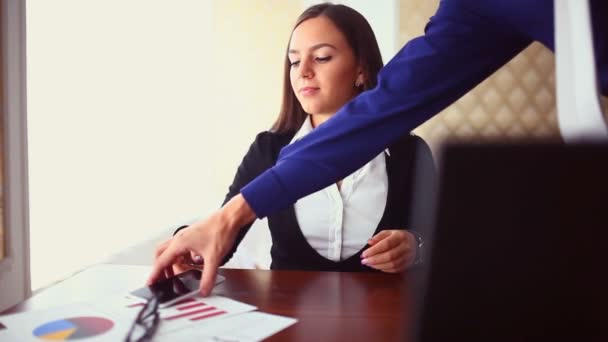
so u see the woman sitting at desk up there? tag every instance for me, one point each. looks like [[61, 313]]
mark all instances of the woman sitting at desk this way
[[332, 56]]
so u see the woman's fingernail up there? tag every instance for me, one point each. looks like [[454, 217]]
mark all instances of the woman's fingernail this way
[[365, 261]]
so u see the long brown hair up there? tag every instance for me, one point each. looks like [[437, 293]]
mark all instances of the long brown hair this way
[[361, 39]]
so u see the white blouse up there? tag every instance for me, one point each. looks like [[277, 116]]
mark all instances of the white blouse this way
[[337, 222]]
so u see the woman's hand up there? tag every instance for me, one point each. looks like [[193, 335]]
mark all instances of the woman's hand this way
[[391, 251], [210, 238]]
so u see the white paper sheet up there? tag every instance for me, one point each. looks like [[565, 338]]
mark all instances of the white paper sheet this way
[[110, 318], [219, 318], [249, 326]]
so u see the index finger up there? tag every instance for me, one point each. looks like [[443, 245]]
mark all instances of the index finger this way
[[164, 260]]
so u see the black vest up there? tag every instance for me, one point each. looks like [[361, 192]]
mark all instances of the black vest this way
[[290, 250]]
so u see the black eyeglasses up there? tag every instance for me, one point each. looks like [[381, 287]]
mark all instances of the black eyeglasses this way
[[145, 324]]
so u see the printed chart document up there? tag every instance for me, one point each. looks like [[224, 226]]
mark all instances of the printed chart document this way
[[109, 319], [109, 316], [249, 326]]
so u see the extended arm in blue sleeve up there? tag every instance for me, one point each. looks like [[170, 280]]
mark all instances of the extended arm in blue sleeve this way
[[459, 50]]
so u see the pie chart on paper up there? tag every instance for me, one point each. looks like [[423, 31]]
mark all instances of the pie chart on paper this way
[[74, 328]]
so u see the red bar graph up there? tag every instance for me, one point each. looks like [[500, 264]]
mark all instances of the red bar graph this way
[[189, 313], [217, 313], [190, 306], [187, 300]]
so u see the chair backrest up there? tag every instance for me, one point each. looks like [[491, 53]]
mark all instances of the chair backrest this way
[[518, 245]]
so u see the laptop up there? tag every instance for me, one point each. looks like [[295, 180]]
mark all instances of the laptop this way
[[519, 246]]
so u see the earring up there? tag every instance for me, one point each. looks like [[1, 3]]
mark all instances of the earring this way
[[358, 84]]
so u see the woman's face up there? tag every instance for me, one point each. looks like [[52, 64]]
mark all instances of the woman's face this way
[[323, 67]]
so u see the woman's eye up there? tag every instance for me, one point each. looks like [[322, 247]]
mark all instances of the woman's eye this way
[[323, 59], [295, 64]]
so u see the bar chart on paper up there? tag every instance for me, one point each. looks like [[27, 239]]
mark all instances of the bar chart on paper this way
[[195, 311], [109, 318], [216, 318], [190, 309]]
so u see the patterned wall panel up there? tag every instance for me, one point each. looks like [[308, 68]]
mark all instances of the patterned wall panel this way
[[516, 101]]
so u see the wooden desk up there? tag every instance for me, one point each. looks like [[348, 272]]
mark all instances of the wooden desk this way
[[329, 306]]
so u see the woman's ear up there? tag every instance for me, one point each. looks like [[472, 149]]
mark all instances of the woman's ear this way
[[360, 80]]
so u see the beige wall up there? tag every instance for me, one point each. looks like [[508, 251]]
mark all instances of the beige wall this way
[[249, 51], [517, 101], [141, 124]]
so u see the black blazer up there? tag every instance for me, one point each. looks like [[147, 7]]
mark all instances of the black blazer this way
[[290, 250]]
